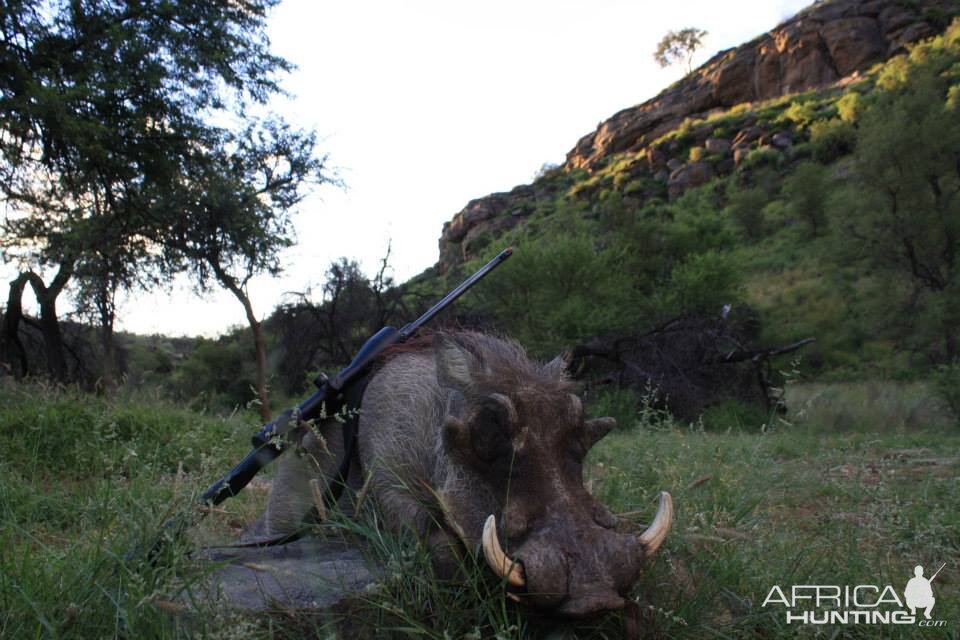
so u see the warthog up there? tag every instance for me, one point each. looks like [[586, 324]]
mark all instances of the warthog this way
[[465, 439]]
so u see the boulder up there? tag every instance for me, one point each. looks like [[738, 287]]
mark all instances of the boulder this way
[[747, 136], [718, 146], [782, 140], [308, 575], [656, 159], [687, 177]]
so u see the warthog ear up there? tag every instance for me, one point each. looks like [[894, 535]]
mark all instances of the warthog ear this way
[[457, 368]]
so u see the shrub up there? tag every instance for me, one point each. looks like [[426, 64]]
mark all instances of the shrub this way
[[734, 414], [800, 113], [850, 107], [763, 157], [705, 282], [806, 189], [832, 139], [620, 404], [946, 385], [746, 209], [696, 154]]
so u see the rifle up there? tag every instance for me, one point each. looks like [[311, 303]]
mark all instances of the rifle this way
[[343, 390]]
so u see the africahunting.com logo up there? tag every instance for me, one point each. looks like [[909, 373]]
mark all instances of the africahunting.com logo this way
[[860, 604]]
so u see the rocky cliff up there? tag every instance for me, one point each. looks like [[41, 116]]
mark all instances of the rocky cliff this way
[[822, 45]]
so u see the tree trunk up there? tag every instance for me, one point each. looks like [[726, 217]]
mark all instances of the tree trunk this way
[[10, 346], [107, 380], [105, 308], [260, 348], [49, 323]]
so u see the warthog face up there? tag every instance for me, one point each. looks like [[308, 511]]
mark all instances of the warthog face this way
[[521, 436]]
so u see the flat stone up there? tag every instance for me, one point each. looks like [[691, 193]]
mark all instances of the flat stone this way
[[305, 575]]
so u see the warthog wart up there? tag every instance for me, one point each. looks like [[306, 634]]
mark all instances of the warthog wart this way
[[465, 439]]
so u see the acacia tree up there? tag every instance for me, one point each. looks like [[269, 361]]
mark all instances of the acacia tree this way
[[102, 103], [679, 46], [235, 215]]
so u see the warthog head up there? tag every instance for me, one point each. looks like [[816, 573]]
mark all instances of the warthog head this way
[[519, 436]]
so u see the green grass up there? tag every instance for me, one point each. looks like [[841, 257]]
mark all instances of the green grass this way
[[856, 486]]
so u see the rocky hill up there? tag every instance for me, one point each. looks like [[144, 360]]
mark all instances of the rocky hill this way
[[823, 48]]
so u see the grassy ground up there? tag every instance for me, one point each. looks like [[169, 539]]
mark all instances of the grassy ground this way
[[858, 487]]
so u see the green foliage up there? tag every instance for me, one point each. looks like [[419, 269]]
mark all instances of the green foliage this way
[[851, 106], [696, 154], [734, 415], [704, 283], [219, 374], [745, 206], [66, 522], [946, 384], [800, 113], [542, 292], [763, 157], [832, 139], [620, 404], [907, 199], [807, 188]]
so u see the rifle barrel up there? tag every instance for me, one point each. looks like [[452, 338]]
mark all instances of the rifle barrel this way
[[408, 330]]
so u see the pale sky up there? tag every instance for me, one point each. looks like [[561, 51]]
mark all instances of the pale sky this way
[[425, 105]]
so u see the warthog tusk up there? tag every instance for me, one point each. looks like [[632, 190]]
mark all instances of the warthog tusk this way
[[653, 537], [501, 564]]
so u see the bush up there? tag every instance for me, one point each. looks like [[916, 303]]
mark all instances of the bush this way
[[734, 414], [800, 113], [704, 283], [763, 157], [620, 404], [832, 139], [806, 189], [746, 209], [946, 385], [696, 154], [850, 107]]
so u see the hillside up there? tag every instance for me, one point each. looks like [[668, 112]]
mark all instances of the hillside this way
[[823, 47], [733, 186]]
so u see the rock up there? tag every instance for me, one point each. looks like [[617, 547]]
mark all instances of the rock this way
[[482, 234], [726, 166], [656, 159], [687, 177], [305, 575], [747, 136], [823, 45], [733, 81], [782, 140], [740, 154], [854, 43], [804, 61], [818, 46], [719, 146], [899, 40]]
